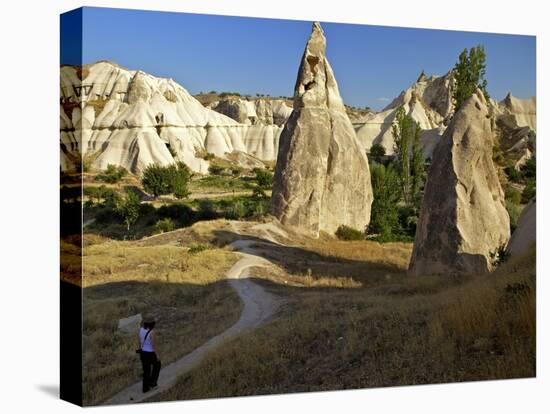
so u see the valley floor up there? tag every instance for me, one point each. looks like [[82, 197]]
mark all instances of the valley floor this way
[[349, 315]]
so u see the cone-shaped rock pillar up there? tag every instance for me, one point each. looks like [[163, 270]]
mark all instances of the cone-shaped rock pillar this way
[[463, 222], [322, 177]]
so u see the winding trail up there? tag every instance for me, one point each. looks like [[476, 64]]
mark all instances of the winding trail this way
[[259, 305]]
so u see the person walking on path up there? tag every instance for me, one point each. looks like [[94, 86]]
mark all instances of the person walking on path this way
[[148, 354]]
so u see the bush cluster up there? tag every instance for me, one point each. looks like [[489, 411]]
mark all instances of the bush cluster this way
[[113, 174], [349, 233], [172, 179]]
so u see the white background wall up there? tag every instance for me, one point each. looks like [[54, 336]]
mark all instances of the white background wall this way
[[29, 150]]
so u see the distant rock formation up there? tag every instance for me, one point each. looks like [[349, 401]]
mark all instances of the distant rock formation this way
[[428, 101], [322, 177], [254, 111], [515, 127], [463, 222], [520, 112], [525, 234], [111, 115]]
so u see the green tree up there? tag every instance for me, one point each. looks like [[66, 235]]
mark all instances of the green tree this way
[[179, 180], [418, 168], [155, 180], [387, 192], [409, 159], [469, 75], [377, 153], [128, 208], [172, 179]]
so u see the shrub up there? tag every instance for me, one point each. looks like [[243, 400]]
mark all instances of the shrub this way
[[513, 174], [514, 211], [159, 180], [529, 192], [176, 211], [164, 225], [349, 233], [198, 247], [111, 198], [179, 179], [512, 194], [264, 178], [529, 170], [112, 174], [236, 211], [260, 209], [155, 180], [206, 210]]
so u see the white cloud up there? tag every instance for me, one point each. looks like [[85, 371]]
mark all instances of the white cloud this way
[[383, 99]]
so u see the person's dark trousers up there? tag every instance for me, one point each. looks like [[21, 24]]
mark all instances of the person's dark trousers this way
[[151, 369]]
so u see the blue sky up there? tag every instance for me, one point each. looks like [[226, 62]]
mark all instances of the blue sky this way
[[372, 64]]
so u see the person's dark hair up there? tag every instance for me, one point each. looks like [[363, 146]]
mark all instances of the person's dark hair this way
[[149, 325]]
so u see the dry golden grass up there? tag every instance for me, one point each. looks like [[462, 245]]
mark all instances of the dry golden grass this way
[[279, 276], [387, 254], [185, 291], [124, 261], [396, 331], [215, 232]]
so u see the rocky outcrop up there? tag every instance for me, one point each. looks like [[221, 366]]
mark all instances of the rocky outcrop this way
[[519, 112], [463, 223], [428, 101], [111, 115], [322, 177], [515, 127], [525, 234], [254, 111]]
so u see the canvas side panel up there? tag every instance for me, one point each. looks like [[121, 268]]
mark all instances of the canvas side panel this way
[[70, 208]]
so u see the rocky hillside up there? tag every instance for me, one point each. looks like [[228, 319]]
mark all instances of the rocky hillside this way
[[112, 115], [253, 111], [429, 102]]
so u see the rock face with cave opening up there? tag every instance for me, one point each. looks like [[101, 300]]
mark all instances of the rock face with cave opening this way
[[463, 222], [322, 177]]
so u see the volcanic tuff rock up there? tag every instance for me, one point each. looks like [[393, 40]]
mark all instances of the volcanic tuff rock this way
[[112, 115], [525, 233], [260, 111], [463, 222], [428, 101], [322, 177], [515, 127]]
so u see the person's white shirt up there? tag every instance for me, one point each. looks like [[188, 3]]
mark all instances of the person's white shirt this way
[[146, 343]]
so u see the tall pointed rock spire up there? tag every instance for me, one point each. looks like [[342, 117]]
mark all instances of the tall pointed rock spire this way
[[322, 177]]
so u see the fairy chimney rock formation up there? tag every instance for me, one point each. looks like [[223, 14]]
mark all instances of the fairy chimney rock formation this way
[[322, 177], [463, 222]]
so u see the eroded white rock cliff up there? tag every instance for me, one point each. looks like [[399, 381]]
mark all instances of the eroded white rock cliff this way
[[112, 115]]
